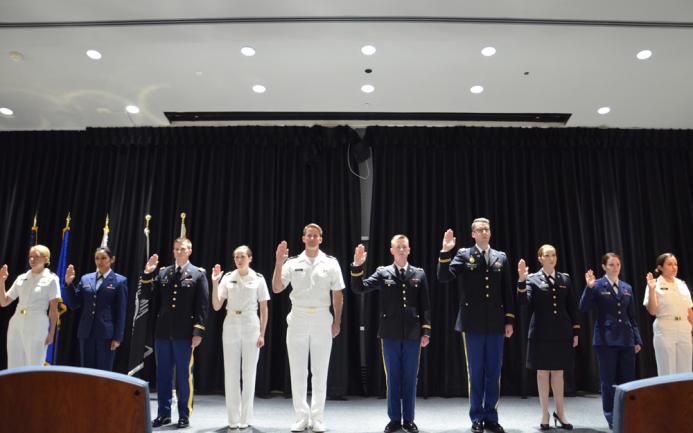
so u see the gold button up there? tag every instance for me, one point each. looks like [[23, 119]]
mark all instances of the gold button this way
[[93, 312], [619, 311], [404, 305], [553, 290], [22, 311], [173, 305], [555, 312], [174, 299], [620, 320], [486, 277], [174, 292], [404, 285], [554, 304], [404, 298], [554, 296], [175, 285], [404, 291], [488, 287], [619, 304], [488, 296]]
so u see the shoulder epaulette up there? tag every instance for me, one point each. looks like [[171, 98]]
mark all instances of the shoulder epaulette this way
[[292, 257], [228, 273], [380, 268], [203, 270], [329, 256], [259, 274]]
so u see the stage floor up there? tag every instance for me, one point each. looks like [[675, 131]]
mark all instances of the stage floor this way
[[369, 415]]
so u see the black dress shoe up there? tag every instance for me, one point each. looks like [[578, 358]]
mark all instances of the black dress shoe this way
[[564, 425], [544, 427], [477, 427], [183, 422], [410, 427], [161, 420], [392, 427], [494, 427]]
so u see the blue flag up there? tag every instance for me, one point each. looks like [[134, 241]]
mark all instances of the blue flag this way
[[52, 353]]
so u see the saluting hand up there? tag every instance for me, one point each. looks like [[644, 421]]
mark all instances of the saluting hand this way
[[522, 270], [4, 273], [360, 255], [152, 263], [282, 252], [651, 281], [69, 275], [590, 279], [216, 274], [449, 240]]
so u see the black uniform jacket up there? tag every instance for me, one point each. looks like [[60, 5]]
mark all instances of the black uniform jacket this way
[[552, 307], [405, 307], [487, 302], [181, 302]]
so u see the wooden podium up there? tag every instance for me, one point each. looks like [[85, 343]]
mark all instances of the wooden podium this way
[[658, 404], [72, 400]]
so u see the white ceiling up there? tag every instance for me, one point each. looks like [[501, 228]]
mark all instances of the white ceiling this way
[[308, 57]]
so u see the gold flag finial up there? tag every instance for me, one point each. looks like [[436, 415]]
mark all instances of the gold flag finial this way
[[67, 222], [183, 230], [147, 218]]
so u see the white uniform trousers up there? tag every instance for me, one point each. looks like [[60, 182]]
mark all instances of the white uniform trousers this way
[[672, 344], [26, 337], [239, 337], [309, 333]]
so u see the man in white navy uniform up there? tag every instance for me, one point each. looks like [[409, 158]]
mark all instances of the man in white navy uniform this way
[[315, 278]]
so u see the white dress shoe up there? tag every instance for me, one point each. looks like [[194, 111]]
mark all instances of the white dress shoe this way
[[318, 426], [300, 425]]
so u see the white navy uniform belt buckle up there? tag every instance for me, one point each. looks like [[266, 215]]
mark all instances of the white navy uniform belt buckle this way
[[238, 312], [677, 318], [312, 310]]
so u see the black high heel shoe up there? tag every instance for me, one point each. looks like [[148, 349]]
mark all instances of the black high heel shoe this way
[[544, 427], [564, 425]]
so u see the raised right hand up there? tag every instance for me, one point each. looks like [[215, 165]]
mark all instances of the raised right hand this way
[[522, 270], [151, 265], [216, 273], [651, 281], [360, 255], [4, 273], [449, 240], [69, 274], [590, 279], [282, 252]]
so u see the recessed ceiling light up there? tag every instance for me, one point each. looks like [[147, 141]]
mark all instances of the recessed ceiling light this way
[[488, 51], [644, 54], [603, 110], [368, 50], [6, 111], [16, 56], [132, 109], [367, 88], [259, 88], [476, 89], [93, 54], [248, 51]]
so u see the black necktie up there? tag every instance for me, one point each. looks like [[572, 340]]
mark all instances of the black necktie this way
[[401, 274], [178, 271], [98, 278], [483, 256], [615, 286], [550, 278]]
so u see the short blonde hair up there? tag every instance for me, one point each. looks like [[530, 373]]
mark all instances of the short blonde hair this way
[[541, 249], [480, 221], [44, 251], [184, 241], [312, 226], [244, 248], [398, 237]]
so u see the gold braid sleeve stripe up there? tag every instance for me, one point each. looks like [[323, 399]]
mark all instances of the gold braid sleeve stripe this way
[[356, 274], [444, 260]]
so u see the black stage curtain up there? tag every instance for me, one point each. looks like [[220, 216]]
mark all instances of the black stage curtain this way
[[243, 185], [586, 191]]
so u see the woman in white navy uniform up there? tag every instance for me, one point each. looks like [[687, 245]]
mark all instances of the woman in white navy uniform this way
[[243, 333], [31, 330], [669, 299]]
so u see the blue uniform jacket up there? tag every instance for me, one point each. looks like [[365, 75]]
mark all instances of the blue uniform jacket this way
[[616, 323], [552, 307], [487, 301], [405, 308], [103, 310]]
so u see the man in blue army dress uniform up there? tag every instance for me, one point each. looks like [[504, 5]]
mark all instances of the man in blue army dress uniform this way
[[405, 326], [486, 315], [181, 296]]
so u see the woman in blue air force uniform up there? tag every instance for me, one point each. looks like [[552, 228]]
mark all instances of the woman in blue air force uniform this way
[[616, 334], [103, 298]]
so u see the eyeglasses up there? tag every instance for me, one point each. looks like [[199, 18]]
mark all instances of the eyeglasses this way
[[482, 230]]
